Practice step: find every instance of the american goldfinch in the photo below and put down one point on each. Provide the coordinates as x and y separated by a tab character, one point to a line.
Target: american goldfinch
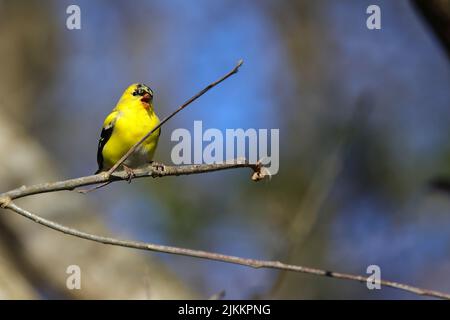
131	119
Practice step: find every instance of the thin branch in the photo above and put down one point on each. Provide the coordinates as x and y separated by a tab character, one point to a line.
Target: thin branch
147	171
254	263
184	105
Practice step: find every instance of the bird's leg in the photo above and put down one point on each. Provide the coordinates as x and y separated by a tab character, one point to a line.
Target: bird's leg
158	166
130	173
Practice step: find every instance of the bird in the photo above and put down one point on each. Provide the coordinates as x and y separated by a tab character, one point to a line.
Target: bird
131	119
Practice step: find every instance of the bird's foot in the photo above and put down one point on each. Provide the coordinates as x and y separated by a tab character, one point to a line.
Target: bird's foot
130	173
158	166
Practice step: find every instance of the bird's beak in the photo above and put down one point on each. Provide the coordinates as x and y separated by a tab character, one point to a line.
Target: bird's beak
146	98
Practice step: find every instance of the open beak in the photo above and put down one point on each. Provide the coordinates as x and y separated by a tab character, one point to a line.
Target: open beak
146	98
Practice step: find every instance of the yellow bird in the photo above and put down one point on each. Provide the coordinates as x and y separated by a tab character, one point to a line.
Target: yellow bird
131	119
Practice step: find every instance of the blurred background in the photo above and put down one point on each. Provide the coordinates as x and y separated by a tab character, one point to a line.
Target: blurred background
364	126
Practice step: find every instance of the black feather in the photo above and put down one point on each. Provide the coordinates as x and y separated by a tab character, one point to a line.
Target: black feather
104	137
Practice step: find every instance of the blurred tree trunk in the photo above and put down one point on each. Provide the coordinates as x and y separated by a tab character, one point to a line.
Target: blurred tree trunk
307	45
437	15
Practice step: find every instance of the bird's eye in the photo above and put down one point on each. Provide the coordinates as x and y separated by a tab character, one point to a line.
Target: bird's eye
141	91
138	92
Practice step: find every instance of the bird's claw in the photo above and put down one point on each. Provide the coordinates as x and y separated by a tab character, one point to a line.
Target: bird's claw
158	166
130	173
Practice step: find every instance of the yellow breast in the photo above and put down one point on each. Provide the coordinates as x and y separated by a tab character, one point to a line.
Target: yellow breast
132	124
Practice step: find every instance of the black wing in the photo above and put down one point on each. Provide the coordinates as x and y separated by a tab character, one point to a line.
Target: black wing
104	137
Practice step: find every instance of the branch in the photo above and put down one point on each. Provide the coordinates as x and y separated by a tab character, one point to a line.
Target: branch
147	171
214	256
184	105
437	15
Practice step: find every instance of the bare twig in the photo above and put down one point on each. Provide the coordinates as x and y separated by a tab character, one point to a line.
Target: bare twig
254	263
218	296
184	105
99	186
147	171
